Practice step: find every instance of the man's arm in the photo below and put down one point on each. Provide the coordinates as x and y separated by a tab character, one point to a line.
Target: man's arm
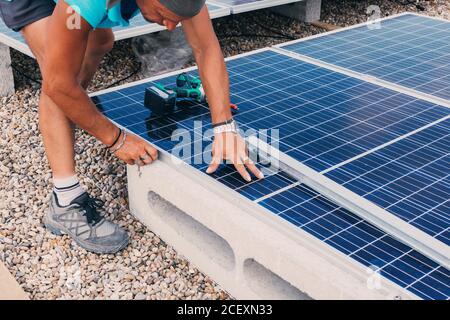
63	60
213	72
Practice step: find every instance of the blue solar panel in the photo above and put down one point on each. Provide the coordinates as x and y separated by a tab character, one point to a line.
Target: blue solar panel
237	2
272	90
409	50
13	39
409	178
212	7
323	117
10	33
138	21
238	6
361	241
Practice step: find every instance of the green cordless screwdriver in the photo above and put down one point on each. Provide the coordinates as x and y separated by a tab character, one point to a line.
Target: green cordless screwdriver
162	99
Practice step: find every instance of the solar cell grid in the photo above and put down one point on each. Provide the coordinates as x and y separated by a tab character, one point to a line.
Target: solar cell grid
361	241
409	178
281	194
319	111
238	6
409	50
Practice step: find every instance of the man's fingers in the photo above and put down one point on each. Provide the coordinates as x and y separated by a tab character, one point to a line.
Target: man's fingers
139	163
152	152
215	163
242	171
146	158
252	167
150	155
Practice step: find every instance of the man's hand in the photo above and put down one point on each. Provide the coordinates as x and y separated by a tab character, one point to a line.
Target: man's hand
213	72
232	147
136	150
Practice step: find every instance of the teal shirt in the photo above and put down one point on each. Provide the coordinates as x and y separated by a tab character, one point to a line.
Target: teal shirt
96	13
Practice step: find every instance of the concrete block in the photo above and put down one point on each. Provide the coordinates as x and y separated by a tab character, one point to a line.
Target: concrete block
6	74
305	11
9	288
246	249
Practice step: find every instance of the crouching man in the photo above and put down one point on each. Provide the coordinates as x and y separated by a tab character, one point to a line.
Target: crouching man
68	58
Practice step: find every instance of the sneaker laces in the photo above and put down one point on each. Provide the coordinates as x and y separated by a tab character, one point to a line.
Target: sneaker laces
89	207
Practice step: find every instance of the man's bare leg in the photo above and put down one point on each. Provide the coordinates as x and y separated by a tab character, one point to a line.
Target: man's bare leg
57	130
72	210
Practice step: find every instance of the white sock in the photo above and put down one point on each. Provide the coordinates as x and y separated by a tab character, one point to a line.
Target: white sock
67	189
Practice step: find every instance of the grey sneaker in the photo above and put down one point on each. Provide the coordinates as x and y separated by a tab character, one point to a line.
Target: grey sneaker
81	221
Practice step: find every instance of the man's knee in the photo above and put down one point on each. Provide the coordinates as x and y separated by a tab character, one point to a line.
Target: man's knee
103	48
35	36
100	42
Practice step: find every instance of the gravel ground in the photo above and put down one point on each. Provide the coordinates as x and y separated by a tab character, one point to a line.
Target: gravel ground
50	267
349	12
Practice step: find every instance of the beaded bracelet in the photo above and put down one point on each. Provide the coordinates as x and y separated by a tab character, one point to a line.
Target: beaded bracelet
117	139
122	142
